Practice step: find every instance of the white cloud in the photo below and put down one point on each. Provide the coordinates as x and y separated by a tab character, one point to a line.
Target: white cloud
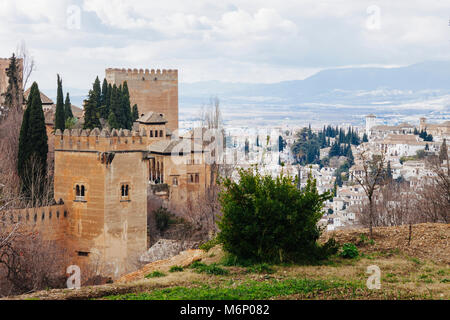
245	40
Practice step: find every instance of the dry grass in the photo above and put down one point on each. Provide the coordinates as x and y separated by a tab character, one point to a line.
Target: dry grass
418	271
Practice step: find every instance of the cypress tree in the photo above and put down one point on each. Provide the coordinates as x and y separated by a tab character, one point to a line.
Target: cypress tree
126	108
13	95
135	113
68	107
365	138
24	150
443	152
114	109
112	121
91	116
60	118
33	147
98	92
108	100
389	171
104	104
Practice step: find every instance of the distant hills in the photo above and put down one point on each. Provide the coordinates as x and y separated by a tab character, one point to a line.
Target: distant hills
344	85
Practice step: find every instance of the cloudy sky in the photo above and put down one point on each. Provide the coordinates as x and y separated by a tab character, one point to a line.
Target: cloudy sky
236	41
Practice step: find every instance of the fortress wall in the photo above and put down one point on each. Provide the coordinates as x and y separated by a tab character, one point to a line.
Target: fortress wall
112	229
50	222
101	141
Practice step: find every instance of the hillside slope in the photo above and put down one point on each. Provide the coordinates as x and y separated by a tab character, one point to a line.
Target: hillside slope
419	270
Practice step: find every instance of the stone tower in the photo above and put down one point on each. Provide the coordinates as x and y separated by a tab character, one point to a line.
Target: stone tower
423	124
102	177
155	90
370	122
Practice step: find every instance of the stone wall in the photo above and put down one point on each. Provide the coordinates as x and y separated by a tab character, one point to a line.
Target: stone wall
50	222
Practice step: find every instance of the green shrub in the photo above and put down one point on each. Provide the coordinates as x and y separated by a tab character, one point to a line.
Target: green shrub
270	220
260	268
209	244
155	274
164	218
349	251
212	269
176	269
230	260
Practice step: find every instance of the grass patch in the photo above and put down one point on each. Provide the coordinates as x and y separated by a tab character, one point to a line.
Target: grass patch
230	260
176	269
250	290
417	261
212	269
349	251
155	274
209	244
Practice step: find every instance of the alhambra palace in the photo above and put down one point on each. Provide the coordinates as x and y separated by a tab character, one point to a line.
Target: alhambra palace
105	179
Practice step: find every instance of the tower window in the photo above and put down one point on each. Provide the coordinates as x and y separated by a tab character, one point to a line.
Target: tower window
80	192
125	192
156	133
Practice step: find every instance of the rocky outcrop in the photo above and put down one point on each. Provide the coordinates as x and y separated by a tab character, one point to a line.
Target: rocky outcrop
165	249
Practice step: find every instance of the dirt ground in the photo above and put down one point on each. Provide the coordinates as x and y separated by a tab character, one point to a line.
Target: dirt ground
416	270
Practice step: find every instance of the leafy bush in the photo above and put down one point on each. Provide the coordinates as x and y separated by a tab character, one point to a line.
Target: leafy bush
164	218
212	269
209	244
349	251
176	269
270	220
155	274
230	260
261	268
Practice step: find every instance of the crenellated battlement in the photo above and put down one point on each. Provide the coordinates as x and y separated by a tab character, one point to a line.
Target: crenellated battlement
51	222
141	74
103	140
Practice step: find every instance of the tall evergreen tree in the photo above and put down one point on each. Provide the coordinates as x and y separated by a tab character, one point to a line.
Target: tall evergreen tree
91	114
68	107
114	118
443	153
365	138
126	107
33	147
104	103
389	171
135	113
98	92
13	95
60	118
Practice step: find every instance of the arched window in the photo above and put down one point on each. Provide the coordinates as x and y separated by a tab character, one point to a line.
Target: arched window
151	133
80	192
125	192
161	133
156	133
